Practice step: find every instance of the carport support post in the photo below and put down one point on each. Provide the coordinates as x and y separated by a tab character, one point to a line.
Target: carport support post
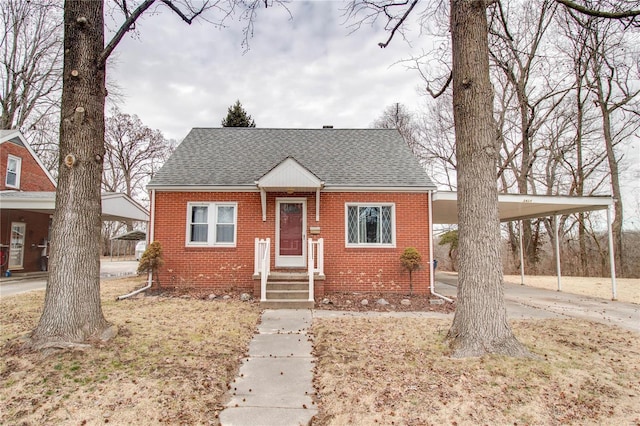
521	255
612	260
555	230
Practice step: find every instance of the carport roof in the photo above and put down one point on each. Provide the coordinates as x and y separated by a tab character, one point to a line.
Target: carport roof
115	206
516	207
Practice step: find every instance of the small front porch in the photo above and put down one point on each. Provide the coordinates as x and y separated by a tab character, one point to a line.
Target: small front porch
288	288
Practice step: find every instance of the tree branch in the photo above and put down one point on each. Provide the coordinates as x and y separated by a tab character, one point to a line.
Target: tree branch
399	24
185	18
131	19
441	91
600	14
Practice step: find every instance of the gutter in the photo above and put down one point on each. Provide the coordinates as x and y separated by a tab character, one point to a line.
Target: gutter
140	290
150	234
432	286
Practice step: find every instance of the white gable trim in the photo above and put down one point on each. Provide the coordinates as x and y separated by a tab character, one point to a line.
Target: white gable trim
7	136
289	176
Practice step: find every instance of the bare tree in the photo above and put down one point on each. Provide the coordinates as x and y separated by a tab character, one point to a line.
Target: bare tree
618	102
133	153
72	311
31	71
480	323
397	116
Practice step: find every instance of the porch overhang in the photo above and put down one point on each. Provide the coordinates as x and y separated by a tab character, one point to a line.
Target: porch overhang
289	176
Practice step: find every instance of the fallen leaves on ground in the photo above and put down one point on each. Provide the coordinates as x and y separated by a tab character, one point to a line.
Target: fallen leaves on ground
386	371
170	362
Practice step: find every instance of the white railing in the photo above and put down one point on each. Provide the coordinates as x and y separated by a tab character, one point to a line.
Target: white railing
315	262
262	264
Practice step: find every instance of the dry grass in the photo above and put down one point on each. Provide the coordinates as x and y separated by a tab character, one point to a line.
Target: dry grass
396	371
170	362
627	289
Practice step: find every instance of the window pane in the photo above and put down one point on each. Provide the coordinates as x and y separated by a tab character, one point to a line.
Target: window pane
224	233
11	178
225	214
352	224
369	225
199	233
386	225
12	172
199	214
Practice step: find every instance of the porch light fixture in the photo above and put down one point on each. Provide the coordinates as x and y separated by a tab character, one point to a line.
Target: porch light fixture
289	191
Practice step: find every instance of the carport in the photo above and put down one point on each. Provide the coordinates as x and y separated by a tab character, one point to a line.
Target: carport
443	210
127	236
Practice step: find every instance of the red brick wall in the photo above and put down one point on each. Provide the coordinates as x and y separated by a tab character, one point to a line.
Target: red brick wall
32	177
346	269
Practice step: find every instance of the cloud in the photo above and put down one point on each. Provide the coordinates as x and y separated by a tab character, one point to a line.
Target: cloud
304	71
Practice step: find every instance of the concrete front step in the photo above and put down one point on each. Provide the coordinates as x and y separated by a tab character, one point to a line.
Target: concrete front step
288	294
287	304
287	285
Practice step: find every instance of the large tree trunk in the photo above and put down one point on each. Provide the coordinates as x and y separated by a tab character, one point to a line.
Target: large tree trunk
480	324
72	309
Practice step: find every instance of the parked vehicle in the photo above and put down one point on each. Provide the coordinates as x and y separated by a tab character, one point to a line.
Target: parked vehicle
140	248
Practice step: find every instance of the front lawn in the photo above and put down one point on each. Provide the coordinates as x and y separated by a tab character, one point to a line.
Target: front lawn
375	371
170	362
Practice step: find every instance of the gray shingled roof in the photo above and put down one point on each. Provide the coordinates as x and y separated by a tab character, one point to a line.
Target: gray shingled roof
234	156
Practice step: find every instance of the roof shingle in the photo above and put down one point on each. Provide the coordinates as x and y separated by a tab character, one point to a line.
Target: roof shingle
238	156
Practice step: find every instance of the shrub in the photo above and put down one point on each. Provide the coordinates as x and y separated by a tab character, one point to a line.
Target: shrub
411	260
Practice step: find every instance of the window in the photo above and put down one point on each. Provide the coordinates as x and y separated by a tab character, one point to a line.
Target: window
211	224
13	171
370	225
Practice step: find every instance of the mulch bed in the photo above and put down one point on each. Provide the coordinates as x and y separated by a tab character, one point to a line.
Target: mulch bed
339	301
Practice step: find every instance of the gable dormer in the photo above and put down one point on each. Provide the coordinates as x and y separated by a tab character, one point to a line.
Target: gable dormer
20	167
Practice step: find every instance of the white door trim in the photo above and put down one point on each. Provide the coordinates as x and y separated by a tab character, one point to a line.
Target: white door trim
291	261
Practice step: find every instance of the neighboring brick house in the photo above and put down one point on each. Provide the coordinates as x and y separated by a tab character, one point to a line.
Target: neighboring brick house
27	204
23	234
348	200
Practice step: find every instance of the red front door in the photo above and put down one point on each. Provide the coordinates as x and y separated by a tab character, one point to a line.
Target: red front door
290	226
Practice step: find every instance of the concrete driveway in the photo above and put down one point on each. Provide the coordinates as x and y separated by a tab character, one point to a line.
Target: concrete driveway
531	302
38	281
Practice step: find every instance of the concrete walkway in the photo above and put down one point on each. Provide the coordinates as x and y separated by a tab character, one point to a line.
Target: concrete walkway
274	385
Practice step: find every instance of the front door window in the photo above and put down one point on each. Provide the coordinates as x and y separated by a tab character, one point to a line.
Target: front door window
16	247
290	233
291	229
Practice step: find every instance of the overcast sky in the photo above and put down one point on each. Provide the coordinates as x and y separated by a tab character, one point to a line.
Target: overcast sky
306	71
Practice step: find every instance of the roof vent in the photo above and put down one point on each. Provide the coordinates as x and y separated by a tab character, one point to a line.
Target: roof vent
327	126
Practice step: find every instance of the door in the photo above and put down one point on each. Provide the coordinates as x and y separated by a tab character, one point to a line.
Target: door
291	222
16	245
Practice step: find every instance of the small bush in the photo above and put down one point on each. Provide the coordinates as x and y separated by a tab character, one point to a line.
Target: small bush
411	260
151	260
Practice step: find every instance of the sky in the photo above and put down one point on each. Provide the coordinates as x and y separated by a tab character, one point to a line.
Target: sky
301	71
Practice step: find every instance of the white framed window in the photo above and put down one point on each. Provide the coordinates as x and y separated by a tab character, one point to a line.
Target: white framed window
13	171
370	225
212	224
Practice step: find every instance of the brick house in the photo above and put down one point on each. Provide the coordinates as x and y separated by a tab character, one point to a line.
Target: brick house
257	209
27	204
23	233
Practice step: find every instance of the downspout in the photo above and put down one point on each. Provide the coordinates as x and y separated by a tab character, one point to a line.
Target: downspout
432	286
150	239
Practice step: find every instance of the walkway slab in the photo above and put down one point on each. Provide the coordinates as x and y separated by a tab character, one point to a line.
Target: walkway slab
275	382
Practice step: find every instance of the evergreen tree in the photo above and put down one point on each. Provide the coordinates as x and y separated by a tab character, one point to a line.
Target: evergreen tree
237	117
